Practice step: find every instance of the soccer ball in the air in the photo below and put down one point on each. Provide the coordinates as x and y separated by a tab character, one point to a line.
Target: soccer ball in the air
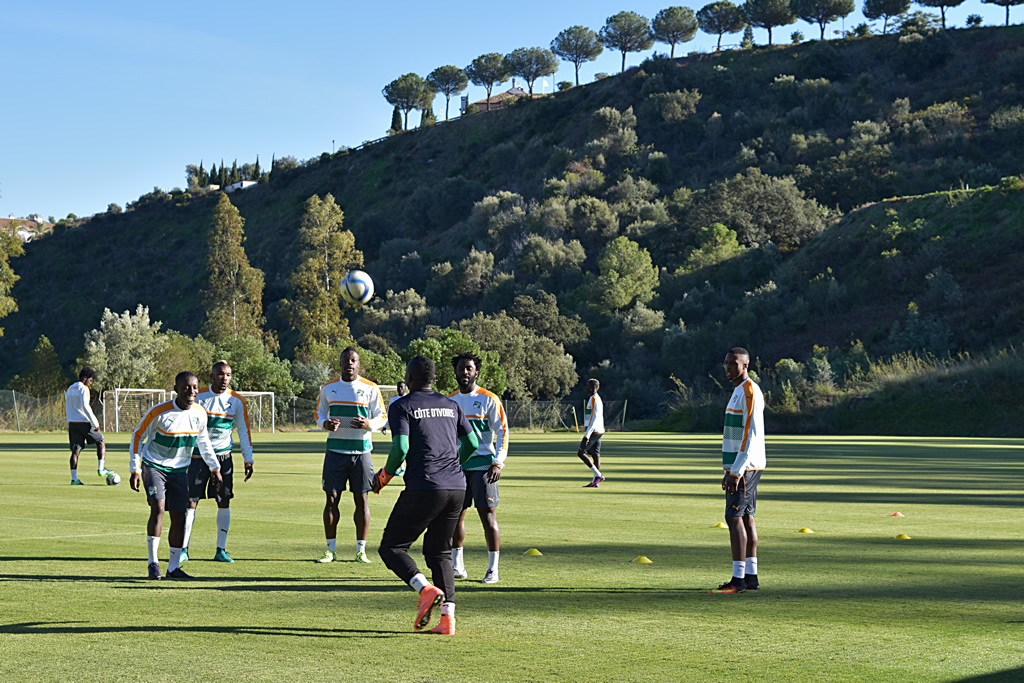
113	479
357	287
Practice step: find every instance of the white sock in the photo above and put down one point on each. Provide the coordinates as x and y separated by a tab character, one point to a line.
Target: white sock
190	518
223	524
492	559
597	472
360	546
418	582
751	566
738	569
448	609
175	560
332	545
74	475
457	559
99	467
154	545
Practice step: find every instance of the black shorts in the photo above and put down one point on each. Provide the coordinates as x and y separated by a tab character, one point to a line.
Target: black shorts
171	487
480	493
200	481
593	446
355	471
744	501
81	433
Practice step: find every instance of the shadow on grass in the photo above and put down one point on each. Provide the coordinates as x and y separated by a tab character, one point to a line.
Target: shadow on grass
1008	675
72	627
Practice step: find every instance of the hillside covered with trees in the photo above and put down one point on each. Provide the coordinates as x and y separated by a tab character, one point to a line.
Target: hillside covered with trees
630	229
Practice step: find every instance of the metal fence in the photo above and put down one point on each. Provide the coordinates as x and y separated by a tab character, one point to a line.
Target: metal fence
560	416
23	413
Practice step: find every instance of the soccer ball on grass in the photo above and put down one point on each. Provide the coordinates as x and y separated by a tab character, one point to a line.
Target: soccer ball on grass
357	287
113	479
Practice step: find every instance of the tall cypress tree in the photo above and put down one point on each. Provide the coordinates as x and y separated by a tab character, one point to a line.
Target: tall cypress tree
256	171
327	253
233	298
214	176
396	120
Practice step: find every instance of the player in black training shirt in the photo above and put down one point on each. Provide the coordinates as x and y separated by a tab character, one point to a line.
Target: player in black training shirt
427	429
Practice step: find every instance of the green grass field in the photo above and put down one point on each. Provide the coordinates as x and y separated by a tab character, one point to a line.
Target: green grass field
849	602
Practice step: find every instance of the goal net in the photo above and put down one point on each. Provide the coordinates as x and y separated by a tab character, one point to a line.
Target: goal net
261	408
123	408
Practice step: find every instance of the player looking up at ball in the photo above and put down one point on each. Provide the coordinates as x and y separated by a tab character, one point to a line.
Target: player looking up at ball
427	430
225	411
743	459
83	427
483	470
351	409
593	418
161	450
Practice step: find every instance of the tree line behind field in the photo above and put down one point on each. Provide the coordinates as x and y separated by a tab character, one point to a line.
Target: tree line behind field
628	229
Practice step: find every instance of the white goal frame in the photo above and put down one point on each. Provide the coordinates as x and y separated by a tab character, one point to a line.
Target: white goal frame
120	398
259	404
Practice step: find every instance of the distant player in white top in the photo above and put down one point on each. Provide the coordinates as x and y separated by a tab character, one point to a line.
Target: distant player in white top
161	451
226	411
350	409
593	419
743	459
400	391
486	415
83	427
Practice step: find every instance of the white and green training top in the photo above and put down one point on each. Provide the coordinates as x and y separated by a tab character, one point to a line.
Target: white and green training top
743	437
345	400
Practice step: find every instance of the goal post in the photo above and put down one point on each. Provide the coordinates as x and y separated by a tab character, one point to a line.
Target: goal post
262	410
125	407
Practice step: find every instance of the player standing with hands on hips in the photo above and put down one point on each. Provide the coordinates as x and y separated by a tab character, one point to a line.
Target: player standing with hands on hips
161	451
427	429
351	409
743	459
593	418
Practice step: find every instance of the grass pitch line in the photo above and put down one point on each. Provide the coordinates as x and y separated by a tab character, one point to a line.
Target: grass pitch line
47	538
63	521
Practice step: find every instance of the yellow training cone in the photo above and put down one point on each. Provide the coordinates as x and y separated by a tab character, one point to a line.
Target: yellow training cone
903	537
721	525
805	530
643	559
533	551
896	514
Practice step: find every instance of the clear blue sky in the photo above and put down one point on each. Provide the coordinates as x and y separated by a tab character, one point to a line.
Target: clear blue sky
105	100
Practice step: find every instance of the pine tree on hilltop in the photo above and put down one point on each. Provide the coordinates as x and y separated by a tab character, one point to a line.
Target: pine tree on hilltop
233	298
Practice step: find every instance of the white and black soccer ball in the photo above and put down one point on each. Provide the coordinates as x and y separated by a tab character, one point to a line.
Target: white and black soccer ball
357	288
113	479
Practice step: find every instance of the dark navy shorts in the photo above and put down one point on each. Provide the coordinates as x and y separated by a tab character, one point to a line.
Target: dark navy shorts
744	501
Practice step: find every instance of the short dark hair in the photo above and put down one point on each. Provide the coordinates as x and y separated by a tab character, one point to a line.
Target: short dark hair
348	349
466	355
597	382
183	375
401	383
220	363
739	351
422	370
86	372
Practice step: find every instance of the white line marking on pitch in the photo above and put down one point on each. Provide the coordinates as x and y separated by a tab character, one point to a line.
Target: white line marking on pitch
63	521
43	538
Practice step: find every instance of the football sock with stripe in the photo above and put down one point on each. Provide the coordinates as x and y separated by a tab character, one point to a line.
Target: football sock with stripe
739	568
332	545
418	582
190	518
360	546
175	560
223	524
457	561
751	568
